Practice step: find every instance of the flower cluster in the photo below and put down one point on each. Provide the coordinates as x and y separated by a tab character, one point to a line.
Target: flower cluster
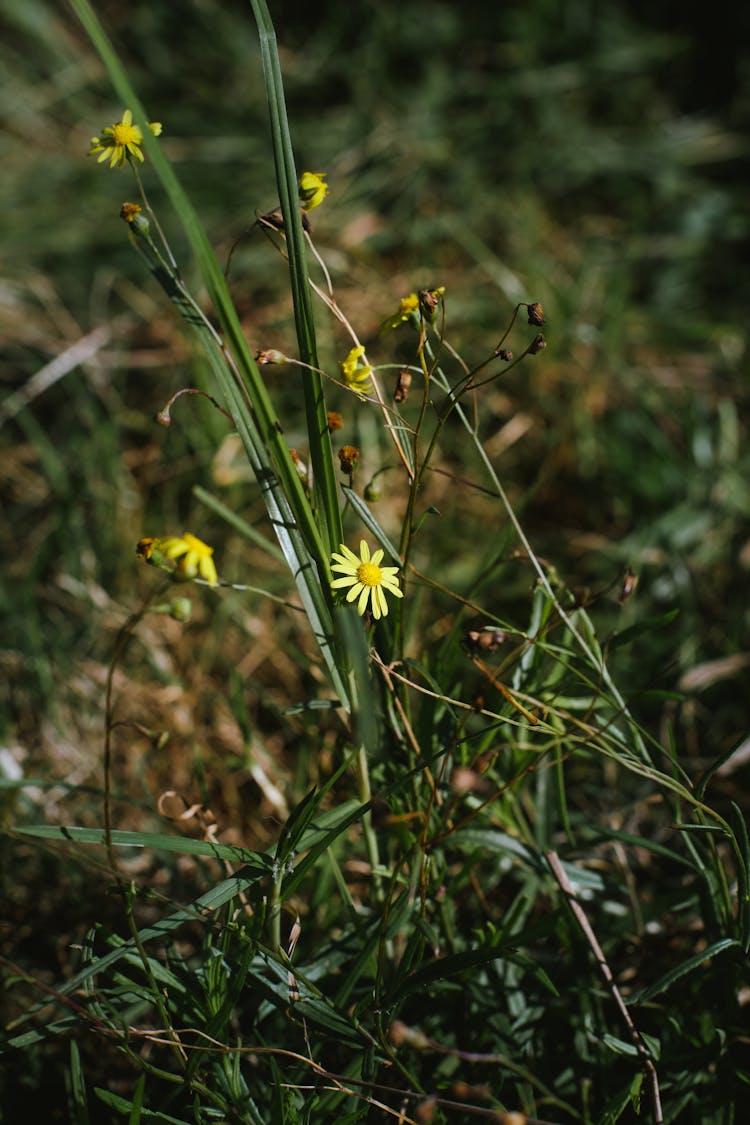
121	141
367	580
192	557
356	375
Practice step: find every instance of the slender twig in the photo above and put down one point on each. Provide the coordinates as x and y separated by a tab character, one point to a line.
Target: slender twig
643	1053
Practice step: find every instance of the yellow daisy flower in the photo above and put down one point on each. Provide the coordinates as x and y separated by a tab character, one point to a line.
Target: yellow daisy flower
312	189
356	376
367	579
121	141
194	556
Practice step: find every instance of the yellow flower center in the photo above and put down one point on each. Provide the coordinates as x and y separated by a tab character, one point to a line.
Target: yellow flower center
369	574
125	135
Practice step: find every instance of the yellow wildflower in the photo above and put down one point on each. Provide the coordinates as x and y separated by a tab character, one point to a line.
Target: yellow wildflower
121	141
312	189
356	376
193	557
367	579
408	310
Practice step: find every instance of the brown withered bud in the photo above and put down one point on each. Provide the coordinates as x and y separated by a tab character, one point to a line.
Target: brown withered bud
335	421
483	640
536	314
348	457
403	383
271	355
400	1033
429	299
629	583
145	547
273	219
538	344
505	354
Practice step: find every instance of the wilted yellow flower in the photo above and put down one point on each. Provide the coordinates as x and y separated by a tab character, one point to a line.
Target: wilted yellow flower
408	306
194	557
369	581
312	189
121	141
356	376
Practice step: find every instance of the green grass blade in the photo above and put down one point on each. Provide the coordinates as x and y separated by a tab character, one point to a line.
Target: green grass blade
286	176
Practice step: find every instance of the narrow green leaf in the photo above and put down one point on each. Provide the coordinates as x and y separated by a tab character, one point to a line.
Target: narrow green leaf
137	1107
77	1091
742	853
321	456
363	510
181	844
123	1106
246	530
682	970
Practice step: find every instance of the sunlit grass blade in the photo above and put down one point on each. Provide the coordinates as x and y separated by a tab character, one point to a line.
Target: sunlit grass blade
286	176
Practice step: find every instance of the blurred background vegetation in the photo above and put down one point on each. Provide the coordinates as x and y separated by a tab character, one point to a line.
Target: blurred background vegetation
591	157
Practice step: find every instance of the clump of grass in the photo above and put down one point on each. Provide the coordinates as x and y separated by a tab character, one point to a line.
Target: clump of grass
484	889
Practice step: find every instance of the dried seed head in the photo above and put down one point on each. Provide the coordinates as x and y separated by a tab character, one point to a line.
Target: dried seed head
484	640
629	583
429	299
403	383
348	458
536	314
538	344
335	421
505	354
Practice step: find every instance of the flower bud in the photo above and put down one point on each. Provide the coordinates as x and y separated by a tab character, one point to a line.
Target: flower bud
180	609
373	491
271	355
